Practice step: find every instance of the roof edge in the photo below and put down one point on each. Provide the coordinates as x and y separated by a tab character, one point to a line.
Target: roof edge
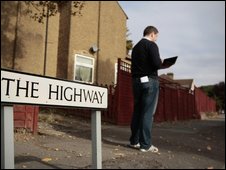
122	10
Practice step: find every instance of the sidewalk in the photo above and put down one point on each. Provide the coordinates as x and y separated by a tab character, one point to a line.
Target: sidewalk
65	143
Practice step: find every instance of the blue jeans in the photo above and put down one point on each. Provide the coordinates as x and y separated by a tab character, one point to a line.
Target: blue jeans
145	103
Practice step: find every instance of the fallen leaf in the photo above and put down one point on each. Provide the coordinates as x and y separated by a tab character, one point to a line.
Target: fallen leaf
120	154
24	166
210	167
79	155
46	159
208	148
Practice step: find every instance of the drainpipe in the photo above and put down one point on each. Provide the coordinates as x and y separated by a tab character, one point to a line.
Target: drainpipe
16	32
98	40
46	41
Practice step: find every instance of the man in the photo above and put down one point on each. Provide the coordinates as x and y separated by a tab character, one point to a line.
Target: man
145	64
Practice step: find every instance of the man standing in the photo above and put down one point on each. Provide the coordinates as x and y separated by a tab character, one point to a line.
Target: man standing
145	64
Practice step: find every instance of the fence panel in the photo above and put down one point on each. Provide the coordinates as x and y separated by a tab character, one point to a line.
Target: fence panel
26	116
160	113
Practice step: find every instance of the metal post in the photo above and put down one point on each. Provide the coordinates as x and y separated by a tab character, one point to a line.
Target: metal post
96	140
7	138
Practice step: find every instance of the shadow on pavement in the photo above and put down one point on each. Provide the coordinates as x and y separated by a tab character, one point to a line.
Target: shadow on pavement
197	137
24	159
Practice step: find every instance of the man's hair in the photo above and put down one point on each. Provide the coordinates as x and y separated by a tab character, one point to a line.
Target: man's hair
149	29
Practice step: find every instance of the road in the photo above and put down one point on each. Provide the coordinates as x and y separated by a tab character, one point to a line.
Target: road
65	143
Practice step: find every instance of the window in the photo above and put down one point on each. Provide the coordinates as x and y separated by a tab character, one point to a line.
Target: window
84	69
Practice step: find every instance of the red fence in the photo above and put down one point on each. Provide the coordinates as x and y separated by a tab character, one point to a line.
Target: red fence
175	101
203	102
26	116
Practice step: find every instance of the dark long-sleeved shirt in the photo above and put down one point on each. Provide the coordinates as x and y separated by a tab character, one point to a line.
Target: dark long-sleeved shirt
145	59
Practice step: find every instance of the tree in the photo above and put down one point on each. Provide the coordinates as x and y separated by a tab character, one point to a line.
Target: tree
217	92
38	10
129	43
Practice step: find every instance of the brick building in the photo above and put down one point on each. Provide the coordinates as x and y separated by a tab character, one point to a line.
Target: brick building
83	47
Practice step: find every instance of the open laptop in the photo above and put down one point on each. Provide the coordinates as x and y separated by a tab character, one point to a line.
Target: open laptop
169	62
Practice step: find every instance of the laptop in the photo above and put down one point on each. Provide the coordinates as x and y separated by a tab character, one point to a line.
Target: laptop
169	61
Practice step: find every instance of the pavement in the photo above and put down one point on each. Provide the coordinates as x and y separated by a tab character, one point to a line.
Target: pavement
65	143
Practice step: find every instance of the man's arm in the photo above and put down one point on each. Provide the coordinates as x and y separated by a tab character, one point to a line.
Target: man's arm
154	52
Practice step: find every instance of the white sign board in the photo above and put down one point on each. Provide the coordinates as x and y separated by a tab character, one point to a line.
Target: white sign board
23	88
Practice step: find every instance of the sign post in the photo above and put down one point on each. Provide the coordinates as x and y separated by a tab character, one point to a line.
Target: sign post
96	140
24	88
7	138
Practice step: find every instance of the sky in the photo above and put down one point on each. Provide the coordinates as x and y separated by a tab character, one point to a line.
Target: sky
192	30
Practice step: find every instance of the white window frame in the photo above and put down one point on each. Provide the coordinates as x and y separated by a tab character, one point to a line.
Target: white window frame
92	66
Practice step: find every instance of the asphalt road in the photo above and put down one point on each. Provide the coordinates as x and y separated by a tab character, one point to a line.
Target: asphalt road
65	143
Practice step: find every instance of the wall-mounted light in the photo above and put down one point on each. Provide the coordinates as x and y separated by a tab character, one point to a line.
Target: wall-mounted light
94	49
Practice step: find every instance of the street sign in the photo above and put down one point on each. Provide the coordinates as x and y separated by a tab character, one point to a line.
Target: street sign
24	88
